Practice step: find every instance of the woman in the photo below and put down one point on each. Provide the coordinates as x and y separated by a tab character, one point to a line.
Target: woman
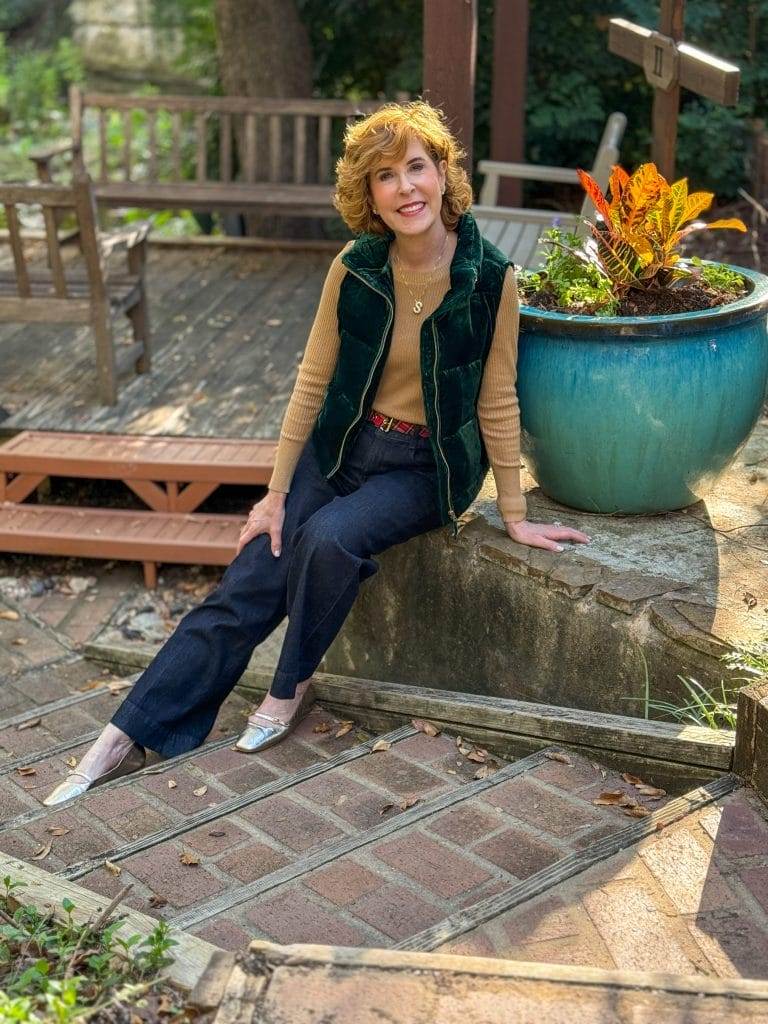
405	394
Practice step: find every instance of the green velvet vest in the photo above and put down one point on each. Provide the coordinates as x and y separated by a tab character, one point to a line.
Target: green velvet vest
454	346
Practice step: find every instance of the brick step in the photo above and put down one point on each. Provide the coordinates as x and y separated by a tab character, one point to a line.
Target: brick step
149	537
354	845
325	839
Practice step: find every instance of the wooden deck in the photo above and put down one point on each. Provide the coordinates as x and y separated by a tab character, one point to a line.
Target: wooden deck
229	328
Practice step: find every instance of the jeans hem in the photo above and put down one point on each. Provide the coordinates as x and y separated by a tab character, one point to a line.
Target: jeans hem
132	720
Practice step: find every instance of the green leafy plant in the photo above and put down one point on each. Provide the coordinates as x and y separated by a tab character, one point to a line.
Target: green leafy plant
56	969
636	242
633	245
572	281
714	710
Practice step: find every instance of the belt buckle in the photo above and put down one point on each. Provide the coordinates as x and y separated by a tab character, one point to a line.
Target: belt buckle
388	423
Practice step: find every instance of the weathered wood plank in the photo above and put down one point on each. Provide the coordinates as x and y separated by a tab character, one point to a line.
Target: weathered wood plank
17	246
524	726
229	104
225	147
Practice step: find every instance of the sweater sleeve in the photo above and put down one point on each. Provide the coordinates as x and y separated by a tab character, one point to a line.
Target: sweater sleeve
314	375
498	409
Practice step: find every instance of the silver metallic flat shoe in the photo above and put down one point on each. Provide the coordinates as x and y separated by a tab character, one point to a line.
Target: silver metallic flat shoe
260	736
132	761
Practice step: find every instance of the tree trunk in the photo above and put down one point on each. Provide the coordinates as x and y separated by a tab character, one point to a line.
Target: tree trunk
264	50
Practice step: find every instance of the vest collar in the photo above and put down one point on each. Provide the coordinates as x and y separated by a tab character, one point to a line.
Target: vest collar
369	259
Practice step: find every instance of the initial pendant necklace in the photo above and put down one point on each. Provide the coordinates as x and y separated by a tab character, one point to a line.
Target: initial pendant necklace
418	304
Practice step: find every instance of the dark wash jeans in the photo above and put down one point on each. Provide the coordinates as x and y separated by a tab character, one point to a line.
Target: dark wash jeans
384	494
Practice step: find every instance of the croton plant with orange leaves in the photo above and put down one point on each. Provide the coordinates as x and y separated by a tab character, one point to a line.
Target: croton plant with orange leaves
643	223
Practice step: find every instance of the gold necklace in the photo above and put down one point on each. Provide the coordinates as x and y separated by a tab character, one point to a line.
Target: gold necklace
418	304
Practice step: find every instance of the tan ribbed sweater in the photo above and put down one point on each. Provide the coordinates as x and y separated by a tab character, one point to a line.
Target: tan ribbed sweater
399	393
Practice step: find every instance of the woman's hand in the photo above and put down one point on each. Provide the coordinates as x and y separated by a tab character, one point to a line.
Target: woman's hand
266	516
541	535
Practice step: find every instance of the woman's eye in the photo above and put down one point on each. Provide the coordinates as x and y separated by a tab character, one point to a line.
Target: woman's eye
417	166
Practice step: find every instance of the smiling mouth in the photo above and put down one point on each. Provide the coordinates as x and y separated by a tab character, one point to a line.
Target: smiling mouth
411	208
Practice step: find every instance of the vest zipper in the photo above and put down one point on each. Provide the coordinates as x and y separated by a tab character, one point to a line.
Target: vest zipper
451	512
373	368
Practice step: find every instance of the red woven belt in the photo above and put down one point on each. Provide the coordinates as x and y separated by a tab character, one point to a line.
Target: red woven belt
383	422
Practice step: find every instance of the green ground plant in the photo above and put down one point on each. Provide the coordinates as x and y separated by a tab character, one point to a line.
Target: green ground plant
55	969
713	709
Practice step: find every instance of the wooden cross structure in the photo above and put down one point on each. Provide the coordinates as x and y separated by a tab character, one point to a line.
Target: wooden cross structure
670	63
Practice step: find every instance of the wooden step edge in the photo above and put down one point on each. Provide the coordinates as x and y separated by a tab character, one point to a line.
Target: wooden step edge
337	958
44	890
86	512
691	754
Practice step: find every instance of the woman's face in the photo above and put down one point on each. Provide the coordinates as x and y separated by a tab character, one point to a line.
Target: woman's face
408	194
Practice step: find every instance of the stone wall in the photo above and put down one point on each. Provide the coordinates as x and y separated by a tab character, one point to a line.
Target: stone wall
121	40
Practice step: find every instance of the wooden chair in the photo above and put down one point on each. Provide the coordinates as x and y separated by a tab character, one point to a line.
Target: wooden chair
516	231
89	296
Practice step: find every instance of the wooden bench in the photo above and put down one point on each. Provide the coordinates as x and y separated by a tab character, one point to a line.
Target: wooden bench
182	151
173	475
88	295
516	231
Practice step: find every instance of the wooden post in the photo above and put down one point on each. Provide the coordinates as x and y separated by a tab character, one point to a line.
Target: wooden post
510	57
666	102
450	51
670	63
751	750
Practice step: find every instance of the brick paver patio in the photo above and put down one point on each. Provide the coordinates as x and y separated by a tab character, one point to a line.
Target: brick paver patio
413	846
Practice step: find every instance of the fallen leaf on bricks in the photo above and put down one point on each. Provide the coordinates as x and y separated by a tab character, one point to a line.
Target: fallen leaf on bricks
322	727
118	685
633	780
385	808
27	770
344	729
407	802
485	771
157	901
72	762
172	784
465	750
478	754
652	792
609	797
556	755
380	745
9	616
113	869
627	801
92	684
28	725
189	858
217	833
42	851
20	641
428	728
638	811
57	830
201	791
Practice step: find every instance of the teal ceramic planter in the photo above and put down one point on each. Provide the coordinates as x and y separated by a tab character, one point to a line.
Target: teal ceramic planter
634	415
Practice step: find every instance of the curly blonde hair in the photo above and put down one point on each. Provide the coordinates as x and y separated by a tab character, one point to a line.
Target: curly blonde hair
385	134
